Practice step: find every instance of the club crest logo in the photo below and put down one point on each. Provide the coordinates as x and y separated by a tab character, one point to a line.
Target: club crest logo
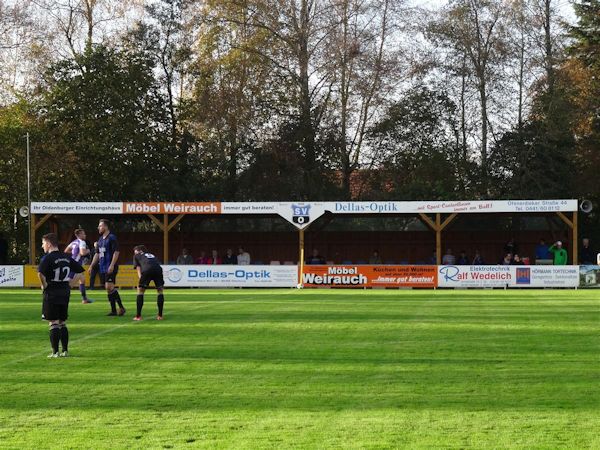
175	275
523	275
300	214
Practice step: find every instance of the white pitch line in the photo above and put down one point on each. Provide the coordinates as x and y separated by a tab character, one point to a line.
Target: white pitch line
99	333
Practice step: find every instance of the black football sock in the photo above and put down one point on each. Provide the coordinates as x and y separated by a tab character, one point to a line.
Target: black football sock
113	303
160	302
82	290
118	298
140	304
64	337
54	337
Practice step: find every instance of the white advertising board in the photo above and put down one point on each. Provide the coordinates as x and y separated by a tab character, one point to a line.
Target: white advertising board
474	276
301	214
545	276
11	276
230	276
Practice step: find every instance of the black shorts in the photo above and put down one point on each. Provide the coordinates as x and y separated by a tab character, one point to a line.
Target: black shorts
109	277
52	310
155	275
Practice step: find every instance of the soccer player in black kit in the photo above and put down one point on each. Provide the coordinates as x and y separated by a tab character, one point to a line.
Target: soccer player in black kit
148	269
53	272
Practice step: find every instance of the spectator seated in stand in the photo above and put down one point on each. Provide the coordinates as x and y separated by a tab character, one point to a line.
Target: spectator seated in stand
243	258
478	260
185	257
375	258
559	253
315	258
215	258
230	258
541	251
517	261
462	259
507	260
449	258
202	259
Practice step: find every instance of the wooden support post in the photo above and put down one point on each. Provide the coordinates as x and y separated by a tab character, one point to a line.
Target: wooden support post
35	225
176	221
301	256
32	229
425	218
575	239
157	222
565	219
572	224
449	219
438	239
165	239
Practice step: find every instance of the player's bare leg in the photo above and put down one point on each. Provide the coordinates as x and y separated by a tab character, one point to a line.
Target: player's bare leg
80	279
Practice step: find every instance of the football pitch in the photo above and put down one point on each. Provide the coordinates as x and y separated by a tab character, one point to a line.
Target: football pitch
307	369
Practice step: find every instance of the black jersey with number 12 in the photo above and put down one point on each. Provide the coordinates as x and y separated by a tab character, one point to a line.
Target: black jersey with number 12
56	267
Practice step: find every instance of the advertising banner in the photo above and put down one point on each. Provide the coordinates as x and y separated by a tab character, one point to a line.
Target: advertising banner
544	276
77	208
171	208
589	276
11	276
230	276
474	276
370	276
301	214
126	278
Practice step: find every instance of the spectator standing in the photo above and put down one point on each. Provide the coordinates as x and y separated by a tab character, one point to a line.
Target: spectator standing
586	254
511	247
230	258
315	258
203	259
541	251
375	258
462	259
185	258
215	258
559	253
478	260
243	258
449	258
3	249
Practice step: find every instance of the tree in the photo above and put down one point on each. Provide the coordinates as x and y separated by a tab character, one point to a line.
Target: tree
583	67
418	138
475	29
108	124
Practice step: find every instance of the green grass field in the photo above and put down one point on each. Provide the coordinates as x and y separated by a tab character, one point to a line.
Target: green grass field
307	369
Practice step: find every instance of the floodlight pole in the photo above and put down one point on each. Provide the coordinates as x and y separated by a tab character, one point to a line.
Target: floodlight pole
31	243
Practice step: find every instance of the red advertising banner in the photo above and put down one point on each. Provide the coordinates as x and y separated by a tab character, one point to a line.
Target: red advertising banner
171	208
370	276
